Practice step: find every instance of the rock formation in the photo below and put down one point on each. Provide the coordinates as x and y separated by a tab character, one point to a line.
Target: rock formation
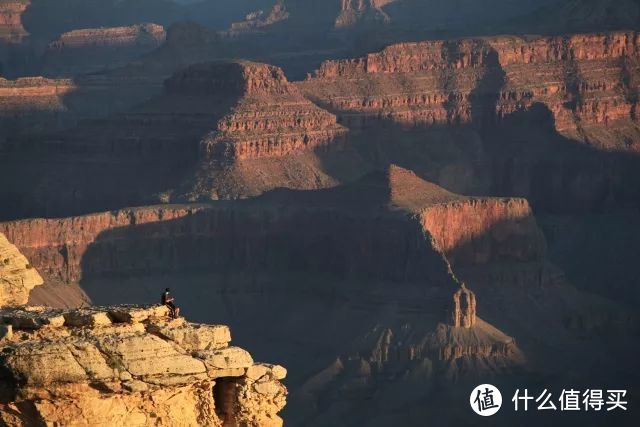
130	365
394	210
258	19
253	128
464	308
17	276
354	11
11	28
580	78
85	50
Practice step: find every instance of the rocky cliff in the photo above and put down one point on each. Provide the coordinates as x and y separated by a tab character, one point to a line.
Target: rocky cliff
585	80
130	365
342	232
17	276
516	113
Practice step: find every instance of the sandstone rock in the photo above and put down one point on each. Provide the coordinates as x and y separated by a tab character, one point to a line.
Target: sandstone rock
138	314
278	372
254	403
226	358
86	318
17	275
32	317
225	373
256	371
259	370
192	337
119	374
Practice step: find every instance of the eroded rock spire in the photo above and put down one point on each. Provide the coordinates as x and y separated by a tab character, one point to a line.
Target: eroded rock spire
463	314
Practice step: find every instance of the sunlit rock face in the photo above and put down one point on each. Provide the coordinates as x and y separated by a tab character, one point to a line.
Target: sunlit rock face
17	276
130	365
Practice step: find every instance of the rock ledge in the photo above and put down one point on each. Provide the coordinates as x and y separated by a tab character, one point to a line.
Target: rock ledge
129	365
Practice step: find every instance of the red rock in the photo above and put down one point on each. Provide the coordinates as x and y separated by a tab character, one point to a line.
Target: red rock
580	78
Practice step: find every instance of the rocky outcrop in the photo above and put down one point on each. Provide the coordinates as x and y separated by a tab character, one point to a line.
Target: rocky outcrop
17	276
464	308
11	28
130	365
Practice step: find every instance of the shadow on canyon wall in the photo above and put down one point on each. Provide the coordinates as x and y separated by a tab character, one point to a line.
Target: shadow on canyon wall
304	284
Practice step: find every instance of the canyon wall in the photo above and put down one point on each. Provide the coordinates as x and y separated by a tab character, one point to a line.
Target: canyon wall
401	230
130	365
485	230
253	239
550	119
584	80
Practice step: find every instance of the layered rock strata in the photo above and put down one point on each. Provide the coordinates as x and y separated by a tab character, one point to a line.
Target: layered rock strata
585	80
342	231
17	276
254	128
91	49
130	365
141	34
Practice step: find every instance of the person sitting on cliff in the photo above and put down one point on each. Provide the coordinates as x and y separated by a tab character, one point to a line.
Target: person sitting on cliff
167	299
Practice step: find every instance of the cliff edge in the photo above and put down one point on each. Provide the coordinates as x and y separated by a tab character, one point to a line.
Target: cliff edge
129	365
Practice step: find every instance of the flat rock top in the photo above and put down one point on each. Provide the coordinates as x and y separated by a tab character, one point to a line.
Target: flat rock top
45	347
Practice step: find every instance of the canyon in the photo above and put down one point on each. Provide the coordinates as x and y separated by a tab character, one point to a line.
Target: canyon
385	255
384	196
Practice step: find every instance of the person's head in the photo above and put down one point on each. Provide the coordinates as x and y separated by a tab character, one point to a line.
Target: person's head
167	290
